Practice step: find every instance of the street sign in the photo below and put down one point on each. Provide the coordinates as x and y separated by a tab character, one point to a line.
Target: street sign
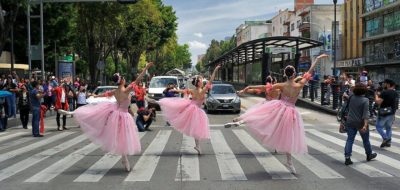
36	53
278	50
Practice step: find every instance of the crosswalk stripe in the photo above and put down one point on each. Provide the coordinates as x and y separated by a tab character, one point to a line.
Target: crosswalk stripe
13	135
382	158
228	164
101	167
317	167
17	142
188	164
33	146
147	163
272	165
3	133
32	160
359	166
57	168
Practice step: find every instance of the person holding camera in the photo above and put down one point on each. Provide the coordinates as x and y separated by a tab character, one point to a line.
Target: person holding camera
144	118
36	95
388	102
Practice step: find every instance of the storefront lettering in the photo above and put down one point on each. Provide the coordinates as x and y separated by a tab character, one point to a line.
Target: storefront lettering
351	63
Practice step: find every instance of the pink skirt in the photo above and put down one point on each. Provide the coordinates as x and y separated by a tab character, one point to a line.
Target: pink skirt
186	117
278	125
110	127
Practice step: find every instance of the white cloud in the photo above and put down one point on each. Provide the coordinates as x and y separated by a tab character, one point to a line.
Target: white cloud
198	34
197	45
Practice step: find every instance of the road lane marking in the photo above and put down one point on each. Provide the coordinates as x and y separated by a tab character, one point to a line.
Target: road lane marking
272	165
338	156
188	164
42	142
148	161
228	164
358	149
13	135
101	167
57	168
32	160
17	142
317	167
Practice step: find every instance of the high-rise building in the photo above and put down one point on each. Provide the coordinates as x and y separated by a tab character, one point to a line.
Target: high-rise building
352	33
381	39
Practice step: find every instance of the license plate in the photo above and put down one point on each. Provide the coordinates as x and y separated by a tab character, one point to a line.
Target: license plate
225	106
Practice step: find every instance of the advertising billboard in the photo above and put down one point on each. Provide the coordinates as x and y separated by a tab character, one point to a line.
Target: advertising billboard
65	69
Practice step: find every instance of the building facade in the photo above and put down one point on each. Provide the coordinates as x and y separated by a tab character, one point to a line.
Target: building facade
352	34
252	30
381	39
317	23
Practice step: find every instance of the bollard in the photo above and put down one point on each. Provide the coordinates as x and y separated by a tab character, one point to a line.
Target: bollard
312	88
335	94
324	89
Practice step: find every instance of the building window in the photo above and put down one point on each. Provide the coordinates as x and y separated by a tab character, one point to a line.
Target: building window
280	20
391	22
298	24
374	26
292	27
273	29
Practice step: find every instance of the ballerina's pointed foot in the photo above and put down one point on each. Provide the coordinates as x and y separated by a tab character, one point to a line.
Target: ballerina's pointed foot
198	150
291	168
63	112
126	165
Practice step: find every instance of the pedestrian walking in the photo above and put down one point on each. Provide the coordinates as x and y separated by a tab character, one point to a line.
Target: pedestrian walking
357	120
61	93
388	104
186	115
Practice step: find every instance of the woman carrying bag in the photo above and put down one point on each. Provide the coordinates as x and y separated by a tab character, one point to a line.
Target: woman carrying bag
357	120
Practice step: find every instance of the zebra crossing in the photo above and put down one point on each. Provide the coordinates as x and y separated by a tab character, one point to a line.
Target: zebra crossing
66	149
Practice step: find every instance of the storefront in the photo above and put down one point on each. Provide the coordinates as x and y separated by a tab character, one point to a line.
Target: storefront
350	66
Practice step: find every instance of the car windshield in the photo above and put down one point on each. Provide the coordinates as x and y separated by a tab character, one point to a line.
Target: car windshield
222	90
162	82
102	90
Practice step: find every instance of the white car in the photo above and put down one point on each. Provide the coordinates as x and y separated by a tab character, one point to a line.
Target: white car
158	85
101	90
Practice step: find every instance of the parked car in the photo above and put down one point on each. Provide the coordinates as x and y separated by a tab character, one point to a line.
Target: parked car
103	89
222	97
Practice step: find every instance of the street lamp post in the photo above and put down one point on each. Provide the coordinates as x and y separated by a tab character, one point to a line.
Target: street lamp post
334	38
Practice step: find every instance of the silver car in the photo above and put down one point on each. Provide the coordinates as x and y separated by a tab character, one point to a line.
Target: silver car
222	97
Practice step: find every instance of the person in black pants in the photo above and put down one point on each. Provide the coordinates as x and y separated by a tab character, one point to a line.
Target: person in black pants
24	103
144	118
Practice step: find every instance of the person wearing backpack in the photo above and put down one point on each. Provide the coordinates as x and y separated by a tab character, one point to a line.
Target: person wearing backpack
357	120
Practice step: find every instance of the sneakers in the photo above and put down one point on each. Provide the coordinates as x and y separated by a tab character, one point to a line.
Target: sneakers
233	124
371	156
291	168
348	162
386	143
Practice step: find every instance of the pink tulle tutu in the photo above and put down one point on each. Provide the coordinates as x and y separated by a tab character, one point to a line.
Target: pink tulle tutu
186	116
277	124
110	126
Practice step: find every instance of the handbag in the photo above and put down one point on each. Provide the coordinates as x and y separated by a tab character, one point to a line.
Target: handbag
385	111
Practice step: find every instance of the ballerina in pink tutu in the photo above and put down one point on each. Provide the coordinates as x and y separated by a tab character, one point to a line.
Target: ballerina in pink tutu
258	89
277	123
109	124
186	115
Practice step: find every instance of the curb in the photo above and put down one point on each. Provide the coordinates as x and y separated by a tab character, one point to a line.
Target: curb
326	109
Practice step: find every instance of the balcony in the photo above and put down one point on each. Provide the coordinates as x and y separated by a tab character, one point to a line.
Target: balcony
304	27
286	22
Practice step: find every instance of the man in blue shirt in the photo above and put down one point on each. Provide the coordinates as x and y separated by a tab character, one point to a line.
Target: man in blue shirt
36	96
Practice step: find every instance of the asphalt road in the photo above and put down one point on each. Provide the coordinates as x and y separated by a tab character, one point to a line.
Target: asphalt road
232	159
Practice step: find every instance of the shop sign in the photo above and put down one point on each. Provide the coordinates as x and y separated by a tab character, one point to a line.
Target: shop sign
278	50
350	63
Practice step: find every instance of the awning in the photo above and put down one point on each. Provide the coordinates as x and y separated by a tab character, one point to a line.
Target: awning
16	66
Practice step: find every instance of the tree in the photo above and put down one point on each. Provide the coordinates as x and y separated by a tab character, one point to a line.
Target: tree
8	17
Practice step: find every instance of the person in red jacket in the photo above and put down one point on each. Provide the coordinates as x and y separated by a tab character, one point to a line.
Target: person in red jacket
140	93
61	103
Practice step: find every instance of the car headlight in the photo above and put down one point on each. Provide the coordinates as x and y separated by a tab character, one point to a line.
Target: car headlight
151	95
236	100
212	100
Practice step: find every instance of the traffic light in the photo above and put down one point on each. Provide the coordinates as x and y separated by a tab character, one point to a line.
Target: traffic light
127	1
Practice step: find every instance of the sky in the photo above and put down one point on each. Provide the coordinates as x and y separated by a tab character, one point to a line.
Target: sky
200	21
